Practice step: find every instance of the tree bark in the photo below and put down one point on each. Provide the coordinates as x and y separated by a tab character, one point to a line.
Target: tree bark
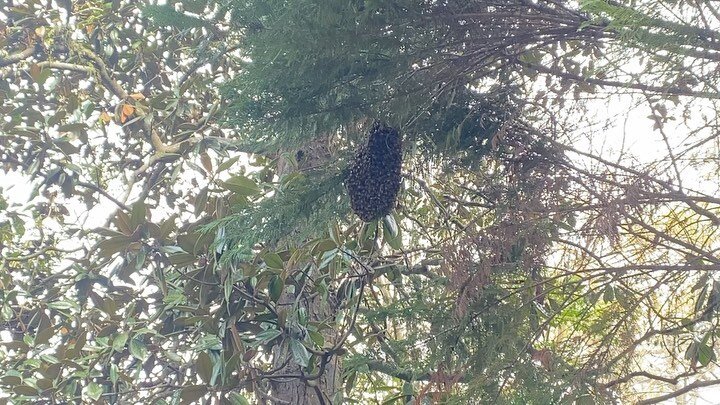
323	385
305	388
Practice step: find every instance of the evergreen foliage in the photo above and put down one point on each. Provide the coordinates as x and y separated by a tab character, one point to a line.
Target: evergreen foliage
393	62
174	226
298	209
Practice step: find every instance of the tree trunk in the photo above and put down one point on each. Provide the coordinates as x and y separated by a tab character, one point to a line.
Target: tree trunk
322	386
309	390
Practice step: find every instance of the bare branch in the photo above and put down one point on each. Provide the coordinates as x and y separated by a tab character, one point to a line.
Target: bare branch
64	66
105	194
17	57
677	393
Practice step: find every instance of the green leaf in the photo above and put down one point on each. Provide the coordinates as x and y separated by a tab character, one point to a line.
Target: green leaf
407	388
52	371
77	126
119	342
391	232
167	227
171	249
323	246
192	394
137	216
273	260
350	382
138	349
268	335
40	75
122	221
208	342
6	312
237	399
18	225
44	335
181	259
228	285
227	164
204	367
299	352
64	305
691	351
609	294
241	185
49	359
109	247
25	390
113	373
585	400
328	257
201	201
336	234
44	383
705	354
166	15
275	287
94	391
11	380
317	338
391	225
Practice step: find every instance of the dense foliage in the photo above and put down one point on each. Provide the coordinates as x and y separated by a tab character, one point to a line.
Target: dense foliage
175	225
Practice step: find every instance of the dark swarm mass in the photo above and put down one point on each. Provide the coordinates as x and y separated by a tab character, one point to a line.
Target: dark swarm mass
373	180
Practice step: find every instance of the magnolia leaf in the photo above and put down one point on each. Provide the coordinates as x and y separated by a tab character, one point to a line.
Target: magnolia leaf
114	373
241	185
138	349
44	335
391	232
94	391
192	393
119	342
204	367
299	352
206	162
237	399
705	354
317	338
273	260
275	287
268	335
227	164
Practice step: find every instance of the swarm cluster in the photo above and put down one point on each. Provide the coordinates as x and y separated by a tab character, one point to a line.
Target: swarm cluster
373	180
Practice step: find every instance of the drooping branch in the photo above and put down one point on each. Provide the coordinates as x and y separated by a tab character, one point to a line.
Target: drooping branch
385	368
676	91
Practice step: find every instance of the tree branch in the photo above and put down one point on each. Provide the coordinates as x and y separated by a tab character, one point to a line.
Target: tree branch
104	193
626	378
677	393
111	84
64	66
382	367
38	254
17	57
622	85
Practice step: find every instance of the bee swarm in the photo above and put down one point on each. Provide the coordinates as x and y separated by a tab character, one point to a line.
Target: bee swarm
374	178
